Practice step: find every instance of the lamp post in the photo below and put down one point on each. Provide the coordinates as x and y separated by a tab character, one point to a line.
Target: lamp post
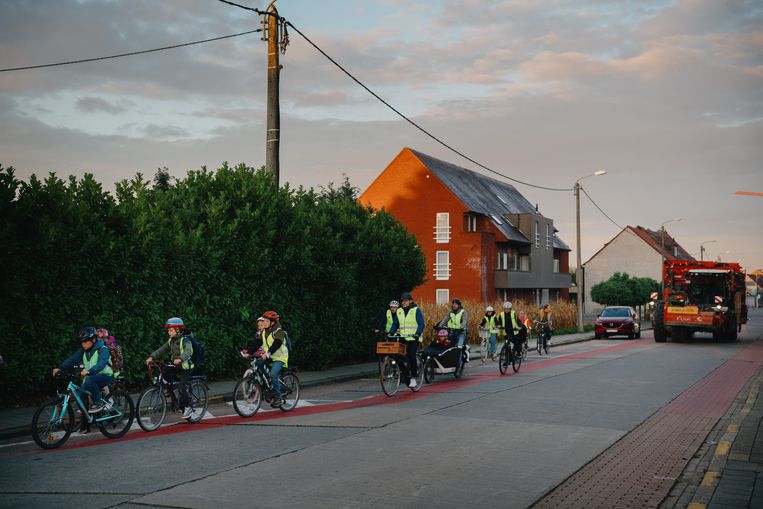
702	249
662	231
579	271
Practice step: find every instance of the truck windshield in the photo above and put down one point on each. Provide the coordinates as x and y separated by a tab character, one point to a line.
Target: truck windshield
704	287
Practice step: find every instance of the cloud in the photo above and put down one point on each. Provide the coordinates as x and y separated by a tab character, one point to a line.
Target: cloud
96	104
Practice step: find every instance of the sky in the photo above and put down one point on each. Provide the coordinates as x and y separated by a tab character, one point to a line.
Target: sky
666	96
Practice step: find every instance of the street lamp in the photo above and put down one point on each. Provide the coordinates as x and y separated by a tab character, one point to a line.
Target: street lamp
579	271
662	229
702	249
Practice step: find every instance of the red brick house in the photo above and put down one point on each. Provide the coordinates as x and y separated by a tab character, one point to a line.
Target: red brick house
482	239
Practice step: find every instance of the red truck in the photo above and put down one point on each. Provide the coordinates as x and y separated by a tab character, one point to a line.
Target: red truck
700	297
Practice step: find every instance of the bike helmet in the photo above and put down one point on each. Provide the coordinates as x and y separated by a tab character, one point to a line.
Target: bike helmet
87	333
259	319
406	296
102	333
456	301
175	322
394	303
507	305
271	315
489	309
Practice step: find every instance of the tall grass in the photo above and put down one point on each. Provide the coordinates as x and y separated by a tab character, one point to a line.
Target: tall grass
565	314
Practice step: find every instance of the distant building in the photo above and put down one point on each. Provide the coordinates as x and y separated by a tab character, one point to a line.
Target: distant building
482	239
637	251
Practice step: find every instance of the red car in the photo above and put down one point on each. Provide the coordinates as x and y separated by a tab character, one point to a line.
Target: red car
618	321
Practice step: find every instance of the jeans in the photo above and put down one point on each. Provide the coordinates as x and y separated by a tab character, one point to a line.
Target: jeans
175	373
275	374
411	347
92	385
493	338
458	336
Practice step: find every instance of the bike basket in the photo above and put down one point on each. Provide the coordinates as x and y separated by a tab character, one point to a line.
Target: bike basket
390	348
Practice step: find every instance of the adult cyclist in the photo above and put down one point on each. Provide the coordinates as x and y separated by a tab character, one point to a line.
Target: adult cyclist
410	323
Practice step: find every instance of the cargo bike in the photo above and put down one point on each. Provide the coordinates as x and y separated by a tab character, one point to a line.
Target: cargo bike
393	364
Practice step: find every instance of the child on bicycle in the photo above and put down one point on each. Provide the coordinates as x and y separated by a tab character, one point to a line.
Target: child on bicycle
96	371
490	324
272	339
181	349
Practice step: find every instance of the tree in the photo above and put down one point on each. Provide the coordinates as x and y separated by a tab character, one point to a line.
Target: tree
622	290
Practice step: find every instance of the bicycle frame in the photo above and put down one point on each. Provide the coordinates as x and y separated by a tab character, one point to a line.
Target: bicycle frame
71	391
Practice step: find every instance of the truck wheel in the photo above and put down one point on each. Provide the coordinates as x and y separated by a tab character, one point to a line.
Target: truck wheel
731	332
658	322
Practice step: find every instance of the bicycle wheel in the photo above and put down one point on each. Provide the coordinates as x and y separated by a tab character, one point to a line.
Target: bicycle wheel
483	349
503	359
390	376
51	425
546	340
199	403
516	360
152	407
123	411
539	344
524	351
420	376
290	390
247	397
429	370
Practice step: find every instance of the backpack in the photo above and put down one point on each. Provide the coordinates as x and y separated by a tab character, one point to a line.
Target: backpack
285	338
116	359
197	358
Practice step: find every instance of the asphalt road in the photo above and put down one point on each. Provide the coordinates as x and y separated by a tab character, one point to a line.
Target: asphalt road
484	441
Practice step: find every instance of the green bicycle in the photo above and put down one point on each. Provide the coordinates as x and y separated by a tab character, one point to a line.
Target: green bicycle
55	420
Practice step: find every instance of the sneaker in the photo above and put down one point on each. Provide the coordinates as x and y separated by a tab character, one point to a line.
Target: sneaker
188	412
84	431
277	402
96	408
412	383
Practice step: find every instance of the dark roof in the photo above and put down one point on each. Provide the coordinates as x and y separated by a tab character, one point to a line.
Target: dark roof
559	244
654	239
484	195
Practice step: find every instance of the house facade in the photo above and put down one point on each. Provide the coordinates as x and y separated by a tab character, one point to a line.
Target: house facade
637	251
482	239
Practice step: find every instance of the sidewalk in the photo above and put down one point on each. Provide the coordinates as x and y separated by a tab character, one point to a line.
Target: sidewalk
15	422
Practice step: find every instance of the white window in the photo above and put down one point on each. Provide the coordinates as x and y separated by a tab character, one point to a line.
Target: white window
442	228
524	263
548	236
442	296
537	234
556	265
470	222
442	266
503	260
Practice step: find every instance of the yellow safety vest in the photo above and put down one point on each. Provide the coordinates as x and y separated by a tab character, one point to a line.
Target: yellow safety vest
490	324
514	321
282	354
408	324
454	322
89	363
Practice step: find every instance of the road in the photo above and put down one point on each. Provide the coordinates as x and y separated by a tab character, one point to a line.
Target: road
484	441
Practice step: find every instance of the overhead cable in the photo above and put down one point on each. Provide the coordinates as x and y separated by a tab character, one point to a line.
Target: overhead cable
129	54
600	210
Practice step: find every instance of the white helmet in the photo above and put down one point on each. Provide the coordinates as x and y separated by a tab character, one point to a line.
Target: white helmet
394	303
507	305
489	309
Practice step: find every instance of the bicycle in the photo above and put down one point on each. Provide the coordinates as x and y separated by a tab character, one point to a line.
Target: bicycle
544	336
55	420
484	344
393	364
153	401
257	385
511	354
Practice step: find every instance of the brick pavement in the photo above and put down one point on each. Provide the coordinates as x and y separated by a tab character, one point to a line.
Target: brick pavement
640	469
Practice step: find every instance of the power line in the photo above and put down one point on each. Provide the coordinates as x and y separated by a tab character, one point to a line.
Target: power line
129	54
253	9
600	210
414	124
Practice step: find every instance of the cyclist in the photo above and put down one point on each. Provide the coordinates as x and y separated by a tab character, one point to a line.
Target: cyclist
510	324
411	326
391	317
526	327
115	351
489	323
273	342
97	372
456	321
546	319
181	349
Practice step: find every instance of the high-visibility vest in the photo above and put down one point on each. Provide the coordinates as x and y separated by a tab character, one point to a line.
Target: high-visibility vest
389	319
282	354
409	324
490	324
186	364
514	321
89	363
454	322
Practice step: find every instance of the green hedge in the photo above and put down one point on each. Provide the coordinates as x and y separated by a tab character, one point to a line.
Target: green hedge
216	248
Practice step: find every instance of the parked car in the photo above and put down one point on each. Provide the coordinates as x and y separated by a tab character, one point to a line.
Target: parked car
618	321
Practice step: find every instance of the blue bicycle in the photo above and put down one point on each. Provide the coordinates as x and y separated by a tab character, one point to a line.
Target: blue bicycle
56	419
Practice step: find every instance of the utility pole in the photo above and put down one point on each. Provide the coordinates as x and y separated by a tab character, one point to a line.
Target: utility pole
579	271
270	31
